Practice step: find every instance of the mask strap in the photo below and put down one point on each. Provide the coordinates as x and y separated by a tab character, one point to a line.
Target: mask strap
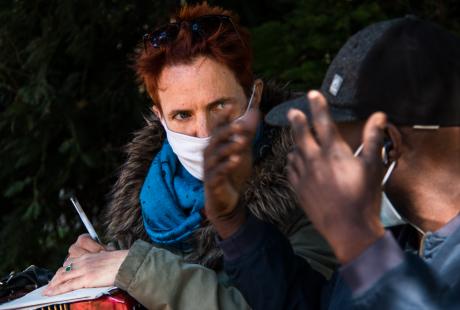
358	150
385	180
389	172
252	97
249	104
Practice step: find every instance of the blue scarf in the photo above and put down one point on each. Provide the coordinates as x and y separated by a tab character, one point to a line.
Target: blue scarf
171	200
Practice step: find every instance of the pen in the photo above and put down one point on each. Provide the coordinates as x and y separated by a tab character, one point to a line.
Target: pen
85	219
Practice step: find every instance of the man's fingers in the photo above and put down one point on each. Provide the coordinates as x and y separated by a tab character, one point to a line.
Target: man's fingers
221	121
250	121
325	128
373	135
294	166
224	133
231	133
215	177
303	137
246	126
219	153
293	177
296	162
231	140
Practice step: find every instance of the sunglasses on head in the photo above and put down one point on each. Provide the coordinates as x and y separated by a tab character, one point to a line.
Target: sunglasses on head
202	27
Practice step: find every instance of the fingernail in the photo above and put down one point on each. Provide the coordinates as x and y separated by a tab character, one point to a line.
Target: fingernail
234	158
313	94
292	114
237	138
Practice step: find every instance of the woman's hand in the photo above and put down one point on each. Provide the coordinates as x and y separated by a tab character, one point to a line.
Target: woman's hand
227	166
88	270
84	245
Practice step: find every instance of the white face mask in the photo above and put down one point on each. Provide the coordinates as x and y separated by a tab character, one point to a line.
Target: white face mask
189	149
388	214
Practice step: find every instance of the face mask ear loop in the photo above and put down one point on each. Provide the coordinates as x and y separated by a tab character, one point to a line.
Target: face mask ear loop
165	126
249	104
251	98
359	150
389	172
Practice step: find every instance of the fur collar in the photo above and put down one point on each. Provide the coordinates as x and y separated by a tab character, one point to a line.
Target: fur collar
268	195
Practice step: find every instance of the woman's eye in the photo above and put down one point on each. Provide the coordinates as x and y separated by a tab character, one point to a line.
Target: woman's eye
221	105
181	116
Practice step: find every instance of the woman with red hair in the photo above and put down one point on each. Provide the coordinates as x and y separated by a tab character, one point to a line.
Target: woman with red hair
197	70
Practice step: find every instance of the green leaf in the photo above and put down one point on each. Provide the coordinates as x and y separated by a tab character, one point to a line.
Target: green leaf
16	187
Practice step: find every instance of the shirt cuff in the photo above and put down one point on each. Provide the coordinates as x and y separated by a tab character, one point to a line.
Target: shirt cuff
128	269
364	271
246	239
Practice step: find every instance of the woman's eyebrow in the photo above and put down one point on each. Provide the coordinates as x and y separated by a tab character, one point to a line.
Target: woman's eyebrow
221	100
210	104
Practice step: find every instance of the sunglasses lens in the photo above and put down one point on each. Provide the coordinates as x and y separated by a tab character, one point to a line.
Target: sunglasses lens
207	25
164	35
202	27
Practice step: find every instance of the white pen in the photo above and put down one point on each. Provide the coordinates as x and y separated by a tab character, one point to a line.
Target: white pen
85	219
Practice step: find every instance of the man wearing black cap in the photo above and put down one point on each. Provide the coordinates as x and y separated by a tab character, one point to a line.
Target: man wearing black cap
370	171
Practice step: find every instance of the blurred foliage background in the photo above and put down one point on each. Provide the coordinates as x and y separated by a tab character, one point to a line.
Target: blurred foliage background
69	100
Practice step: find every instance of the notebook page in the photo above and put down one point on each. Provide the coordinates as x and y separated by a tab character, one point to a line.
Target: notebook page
36	299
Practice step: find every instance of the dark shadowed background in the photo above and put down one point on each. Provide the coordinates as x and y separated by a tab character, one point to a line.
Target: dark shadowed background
69	100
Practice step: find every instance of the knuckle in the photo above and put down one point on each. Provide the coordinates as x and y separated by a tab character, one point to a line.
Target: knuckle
86	279
82	239
73	249
58	273
83	269
84	258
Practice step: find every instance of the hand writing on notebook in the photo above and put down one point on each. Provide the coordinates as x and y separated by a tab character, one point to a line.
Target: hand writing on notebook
92	265
84	245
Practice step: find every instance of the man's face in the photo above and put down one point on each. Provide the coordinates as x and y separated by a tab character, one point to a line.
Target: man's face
194	96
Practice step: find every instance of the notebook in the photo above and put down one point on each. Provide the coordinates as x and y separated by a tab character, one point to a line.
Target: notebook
35	299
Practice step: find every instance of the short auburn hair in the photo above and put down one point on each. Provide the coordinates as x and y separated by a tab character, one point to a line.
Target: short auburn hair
230	46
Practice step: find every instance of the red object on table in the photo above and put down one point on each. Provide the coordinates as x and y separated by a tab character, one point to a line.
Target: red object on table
116	301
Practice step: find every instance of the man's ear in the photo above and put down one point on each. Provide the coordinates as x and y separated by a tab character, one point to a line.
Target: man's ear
258	90
395	136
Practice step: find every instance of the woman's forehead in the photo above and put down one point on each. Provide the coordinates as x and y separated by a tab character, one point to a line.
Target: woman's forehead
200	82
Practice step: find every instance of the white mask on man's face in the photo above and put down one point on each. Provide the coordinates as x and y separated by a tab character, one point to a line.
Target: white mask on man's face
389	216
189	149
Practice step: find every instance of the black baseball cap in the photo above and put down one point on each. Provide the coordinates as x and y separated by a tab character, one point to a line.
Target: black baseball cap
405	67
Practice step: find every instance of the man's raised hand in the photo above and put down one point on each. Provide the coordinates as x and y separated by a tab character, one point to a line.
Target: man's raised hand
227	166
340	193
